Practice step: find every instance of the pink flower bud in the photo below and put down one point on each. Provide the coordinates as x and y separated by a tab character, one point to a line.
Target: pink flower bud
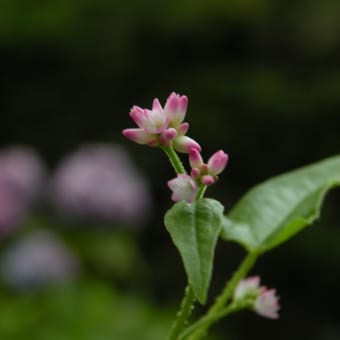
175	108
184	144
217	162
267	305
195	173
195	158
183	188
167	136
207	180
170	134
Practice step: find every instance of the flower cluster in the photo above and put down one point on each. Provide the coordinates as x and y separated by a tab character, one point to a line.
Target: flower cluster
185	187
162	126
263	300
165	127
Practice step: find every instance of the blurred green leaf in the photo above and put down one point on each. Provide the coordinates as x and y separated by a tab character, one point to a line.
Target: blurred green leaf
277	209
87	310
110	252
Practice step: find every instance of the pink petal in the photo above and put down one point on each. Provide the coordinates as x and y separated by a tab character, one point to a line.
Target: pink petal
183	129
154	121
140	136
267	304
156	105
183	104
138	115
175	108
172	103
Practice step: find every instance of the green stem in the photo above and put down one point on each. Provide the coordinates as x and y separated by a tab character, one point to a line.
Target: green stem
226	294
201	192
207	320
183	313
189	298
240	273
174	159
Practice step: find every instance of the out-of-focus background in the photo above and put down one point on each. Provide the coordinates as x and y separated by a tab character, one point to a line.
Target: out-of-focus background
84	253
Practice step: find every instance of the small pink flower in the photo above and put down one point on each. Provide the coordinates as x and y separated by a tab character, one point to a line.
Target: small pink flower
183	188
217	162
162	126
266	304
248	286
152	121
263	300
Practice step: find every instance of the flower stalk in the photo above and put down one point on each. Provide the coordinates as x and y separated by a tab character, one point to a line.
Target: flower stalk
164	127
226	294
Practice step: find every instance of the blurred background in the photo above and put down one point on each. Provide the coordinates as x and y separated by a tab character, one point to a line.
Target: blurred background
84	253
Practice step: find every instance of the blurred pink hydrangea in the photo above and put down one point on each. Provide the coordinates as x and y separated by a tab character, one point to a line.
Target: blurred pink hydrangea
36	260
22	175
99	181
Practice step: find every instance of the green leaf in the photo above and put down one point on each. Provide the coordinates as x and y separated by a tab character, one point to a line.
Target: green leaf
277	209
194	228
